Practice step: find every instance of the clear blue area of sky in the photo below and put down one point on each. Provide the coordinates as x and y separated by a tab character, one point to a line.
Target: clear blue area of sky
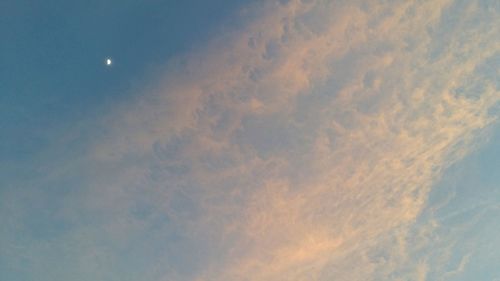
52	57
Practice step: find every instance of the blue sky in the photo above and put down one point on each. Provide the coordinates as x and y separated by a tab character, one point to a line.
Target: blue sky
249	140
53	53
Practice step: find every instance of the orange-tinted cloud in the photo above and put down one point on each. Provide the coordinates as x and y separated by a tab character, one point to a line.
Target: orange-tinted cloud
302	146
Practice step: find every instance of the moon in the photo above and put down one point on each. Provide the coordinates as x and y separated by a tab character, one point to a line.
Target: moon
109	62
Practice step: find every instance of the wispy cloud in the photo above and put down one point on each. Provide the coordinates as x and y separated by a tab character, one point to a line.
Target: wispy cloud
302	146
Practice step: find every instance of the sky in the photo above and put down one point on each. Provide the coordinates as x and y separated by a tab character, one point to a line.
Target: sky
253	140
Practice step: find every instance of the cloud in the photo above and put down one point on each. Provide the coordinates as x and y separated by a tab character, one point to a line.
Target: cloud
301	146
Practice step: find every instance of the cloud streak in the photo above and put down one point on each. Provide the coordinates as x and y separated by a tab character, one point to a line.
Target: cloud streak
300	146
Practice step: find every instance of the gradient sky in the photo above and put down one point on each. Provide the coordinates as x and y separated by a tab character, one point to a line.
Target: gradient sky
249	140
